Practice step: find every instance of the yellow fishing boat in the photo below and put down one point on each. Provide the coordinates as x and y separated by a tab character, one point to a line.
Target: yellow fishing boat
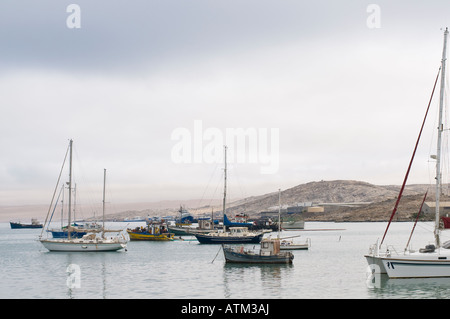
155	231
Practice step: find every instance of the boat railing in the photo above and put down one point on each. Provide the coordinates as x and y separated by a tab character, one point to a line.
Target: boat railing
390	249
376	250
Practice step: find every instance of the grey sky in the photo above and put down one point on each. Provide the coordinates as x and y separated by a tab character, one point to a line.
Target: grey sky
348	100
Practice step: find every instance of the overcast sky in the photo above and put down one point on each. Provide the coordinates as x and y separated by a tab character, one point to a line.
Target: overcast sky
333	89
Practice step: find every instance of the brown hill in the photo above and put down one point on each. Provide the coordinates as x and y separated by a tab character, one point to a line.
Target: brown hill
334	196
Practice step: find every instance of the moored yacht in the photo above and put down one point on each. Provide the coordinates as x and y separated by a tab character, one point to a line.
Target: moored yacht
432	260
95	240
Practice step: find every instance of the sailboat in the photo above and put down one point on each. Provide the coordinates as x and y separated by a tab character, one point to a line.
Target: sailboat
432	260
90	241
236	235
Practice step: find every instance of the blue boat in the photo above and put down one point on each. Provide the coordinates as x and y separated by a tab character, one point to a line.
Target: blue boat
63	233
76	231
243	223
19	225
186	218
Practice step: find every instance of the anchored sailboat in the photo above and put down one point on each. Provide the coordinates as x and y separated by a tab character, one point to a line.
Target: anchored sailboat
90	241
236	235
432	260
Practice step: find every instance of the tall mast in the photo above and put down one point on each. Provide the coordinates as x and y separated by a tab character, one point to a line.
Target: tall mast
225	186
440	129
104	184
74	202
279	212
70	188
62	205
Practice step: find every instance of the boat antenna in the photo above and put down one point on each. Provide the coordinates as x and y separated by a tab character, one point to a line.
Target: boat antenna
225	186
279	212
70	190
104	183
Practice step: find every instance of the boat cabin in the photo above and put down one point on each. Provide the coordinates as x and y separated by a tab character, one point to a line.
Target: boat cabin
270	247
152	228
205	223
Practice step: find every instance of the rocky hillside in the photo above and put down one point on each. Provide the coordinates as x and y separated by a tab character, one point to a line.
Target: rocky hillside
375	202
331	192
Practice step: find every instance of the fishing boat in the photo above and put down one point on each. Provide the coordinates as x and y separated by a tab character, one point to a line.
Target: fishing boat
265	223
433	260
184	227
18	225
293	224
154	231
95	240
293	218
269	253
204	226
185	219
235	235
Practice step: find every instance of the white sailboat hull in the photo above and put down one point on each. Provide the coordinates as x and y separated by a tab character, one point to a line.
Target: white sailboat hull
375	264
78	245
418	265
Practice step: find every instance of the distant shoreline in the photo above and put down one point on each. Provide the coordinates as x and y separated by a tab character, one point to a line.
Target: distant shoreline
371	203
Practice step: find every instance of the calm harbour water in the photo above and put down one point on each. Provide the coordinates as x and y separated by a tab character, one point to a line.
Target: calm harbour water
333	267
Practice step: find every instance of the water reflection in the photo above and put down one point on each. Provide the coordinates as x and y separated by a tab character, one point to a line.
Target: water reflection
82	278
383	287
239	279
